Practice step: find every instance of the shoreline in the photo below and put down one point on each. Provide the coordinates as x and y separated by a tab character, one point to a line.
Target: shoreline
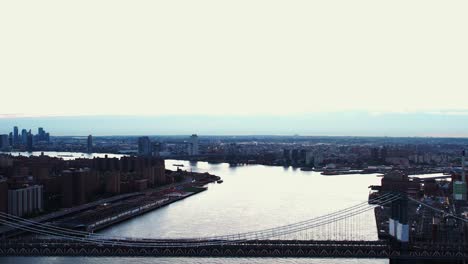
105	216
113	210
141	212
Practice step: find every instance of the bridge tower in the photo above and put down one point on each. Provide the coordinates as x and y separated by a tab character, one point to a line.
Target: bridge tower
402	234
398	227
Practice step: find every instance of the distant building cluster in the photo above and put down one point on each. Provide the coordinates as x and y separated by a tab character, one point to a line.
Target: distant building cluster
321	155
146	147
141	146
25	140
29	185
297	151
446	193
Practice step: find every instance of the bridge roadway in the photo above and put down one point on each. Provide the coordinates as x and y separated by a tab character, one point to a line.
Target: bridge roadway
253	248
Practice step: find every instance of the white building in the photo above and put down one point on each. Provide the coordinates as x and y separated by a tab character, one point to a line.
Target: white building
193	145
25	201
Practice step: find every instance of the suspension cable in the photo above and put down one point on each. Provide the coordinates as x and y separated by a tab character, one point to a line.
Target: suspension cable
262	234
246	234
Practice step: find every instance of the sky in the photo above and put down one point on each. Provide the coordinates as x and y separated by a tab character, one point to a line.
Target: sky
234	59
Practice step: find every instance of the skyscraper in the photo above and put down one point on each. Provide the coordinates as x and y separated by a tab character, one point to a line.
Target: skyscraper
29	142
144	146
24	136
10	138
40	134
3	195
4	144
15	136
193	145
89	148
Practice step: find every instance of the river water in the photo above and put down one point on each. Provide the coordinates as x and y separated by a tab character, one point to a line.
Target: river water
251	197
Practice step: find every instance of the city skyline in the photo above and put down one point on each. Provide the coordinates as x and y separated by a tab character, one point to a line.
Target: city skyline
354	123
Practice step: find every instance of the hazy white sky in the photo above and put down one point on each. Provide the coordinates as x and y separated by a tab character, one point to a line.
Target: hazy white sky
232	57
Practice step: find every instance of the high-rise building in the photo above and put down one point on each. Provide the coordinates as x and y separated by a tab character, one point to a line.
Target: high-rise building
42	135
10	139
157	148
15	136
193	145
89	147
295	156
77	186
151	168
159	172
4	144
112	182
106	164
3	195
25	200
29	142
24	137
309	158
145	148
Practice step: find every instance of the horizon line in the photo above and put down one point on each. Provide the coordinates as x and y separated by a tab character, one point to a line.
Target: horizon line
266	135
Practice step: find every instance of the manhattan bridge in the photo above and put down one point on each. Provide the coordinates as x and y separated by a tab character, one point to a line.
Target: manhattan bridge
334	235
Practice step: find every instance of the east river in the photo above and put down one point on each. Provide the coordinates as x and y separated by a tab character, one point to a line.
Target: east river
252	197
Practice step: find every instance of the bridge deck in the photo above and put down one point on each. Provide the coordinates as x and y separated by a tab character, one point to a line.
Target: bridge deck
259	248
